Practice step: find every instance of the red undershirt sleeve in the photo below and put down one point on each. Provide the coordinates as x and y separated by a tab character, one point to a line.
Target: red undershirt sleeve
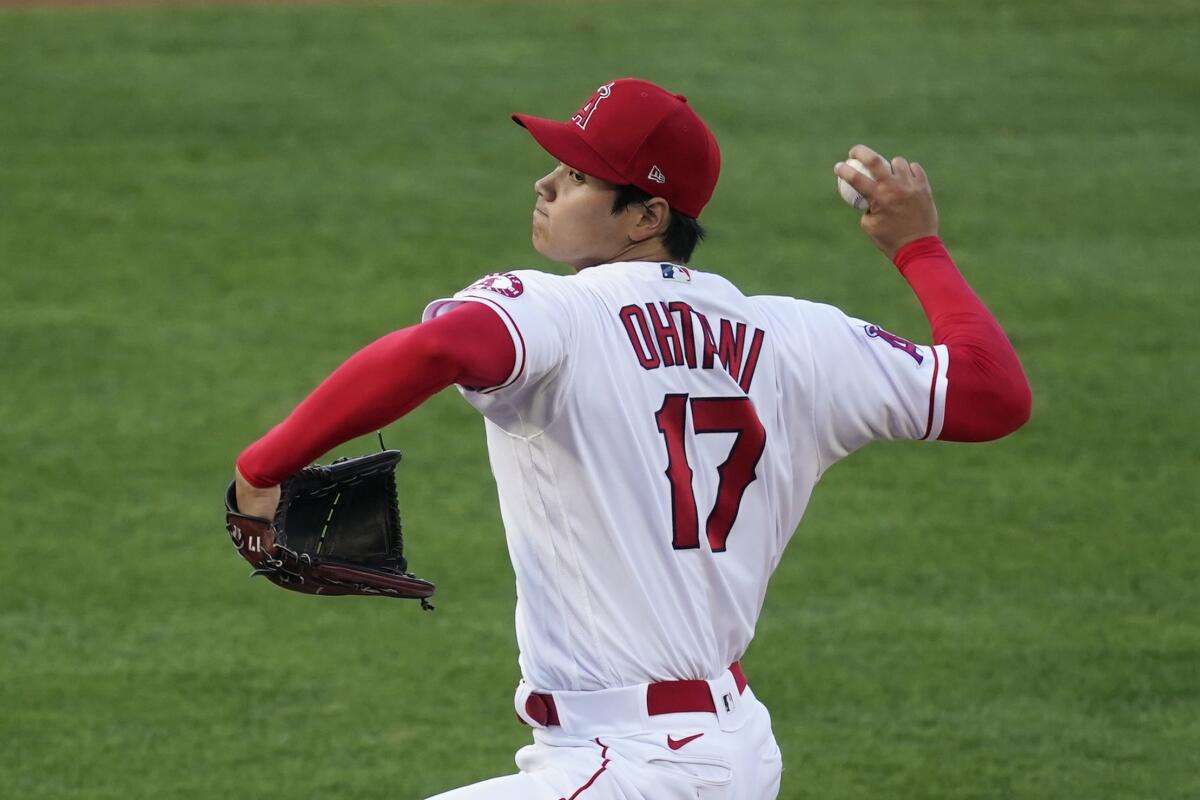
987	394
381	383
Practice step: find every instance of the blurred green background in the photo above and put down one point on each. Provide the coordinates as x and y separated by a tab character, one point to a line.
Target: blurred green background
204	210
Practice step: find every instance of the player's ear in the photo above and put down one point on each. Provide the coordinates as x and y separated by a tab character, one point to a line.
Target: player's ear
653	217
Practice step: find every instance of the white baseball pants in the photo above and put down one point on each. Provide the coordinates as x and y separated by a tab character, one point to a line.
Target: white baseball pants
605	752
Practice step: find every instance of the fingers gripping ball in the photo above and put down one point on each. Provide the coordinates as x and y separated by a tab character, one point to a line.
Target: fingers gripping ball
337	532
849	193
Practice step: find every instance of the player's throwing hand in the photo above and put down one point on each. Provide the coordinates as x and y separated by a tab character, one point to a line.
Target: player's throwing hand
901	206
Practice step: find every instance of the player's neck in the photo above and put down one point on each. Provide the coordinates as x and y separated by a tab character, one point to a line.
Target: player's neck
649	250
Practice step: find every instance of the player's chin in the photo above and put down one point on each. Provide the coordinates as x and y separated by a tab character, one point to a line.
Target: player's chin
540	242
546	252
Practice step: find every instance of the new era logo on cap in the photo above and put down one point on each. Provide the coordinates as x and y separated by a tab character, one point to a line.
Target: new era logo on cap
631	131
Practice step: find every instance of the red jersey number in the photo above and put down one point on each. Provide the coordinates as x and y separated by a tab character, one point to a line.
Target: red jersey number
737	472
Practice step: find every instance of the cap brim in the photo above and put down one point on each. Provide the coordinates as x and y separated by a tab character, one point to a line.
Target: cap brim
563	141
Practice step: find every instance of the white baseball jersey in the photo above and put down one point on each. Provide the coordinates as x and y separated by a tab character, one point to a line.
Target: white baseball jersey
654	450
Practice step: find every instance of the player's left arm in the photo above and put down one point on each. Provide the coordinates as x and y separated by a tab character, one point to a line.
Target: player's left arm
376	386
987	394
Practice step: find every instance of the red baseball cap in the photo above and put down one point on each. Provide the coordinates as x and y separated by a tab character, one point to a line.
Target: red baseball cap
634	132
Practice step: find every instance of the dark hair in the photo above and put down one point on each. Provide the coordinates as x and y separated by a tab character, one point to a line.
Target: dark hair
683	232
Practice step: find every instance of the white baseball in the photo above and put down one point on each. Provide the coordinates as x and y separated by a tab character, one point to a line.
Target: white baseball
849	193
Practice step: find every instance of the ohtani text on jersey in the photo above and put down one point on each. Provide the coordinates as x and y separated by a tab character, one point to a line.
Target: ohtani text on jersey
676	335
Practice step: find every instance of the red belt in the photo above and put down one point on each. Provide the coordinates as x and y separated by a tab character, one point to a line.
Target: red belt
666	697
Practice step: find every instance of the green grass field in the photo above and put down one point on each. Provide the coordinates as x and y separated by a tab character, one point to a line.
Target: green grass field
203	210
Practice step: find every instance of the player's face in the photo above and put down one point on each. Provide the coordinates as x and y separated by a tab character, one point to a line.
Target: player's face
573	221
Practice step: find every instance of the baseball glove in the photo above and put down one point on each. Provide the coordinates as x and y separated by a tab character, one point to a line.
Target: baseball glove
336	532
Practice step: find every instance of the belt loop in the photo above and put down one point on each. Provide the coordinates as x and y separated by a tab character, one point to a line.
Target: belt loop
728	701
524	701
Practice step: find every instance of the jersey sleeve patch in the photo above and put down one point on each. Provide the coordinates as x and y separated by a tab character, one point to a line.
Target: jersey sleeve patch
920	355
876	332
505	284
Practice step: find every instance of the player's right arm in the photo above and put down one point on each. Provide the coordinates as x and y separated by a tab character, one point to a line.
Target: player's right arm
987	395
869	384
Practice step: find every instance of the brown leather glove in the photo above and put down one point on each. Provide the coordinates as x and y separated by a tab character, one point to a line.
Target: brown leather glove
336	532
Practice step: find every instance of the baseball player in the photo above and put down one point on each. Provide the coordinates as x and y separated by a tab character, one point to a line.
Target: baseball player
655	435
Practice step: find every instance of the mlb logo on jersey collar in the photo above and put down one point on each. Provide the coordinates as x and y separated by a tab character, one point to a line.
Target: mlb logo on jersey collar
671	272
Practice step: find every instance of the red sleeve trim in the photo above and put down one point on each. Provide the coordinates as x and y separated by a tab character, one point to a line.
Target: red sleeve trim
937	363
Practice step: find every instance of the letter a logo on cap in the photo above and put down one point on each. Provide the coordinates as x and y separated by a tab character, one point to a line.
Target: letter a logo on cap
656	175
584	115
